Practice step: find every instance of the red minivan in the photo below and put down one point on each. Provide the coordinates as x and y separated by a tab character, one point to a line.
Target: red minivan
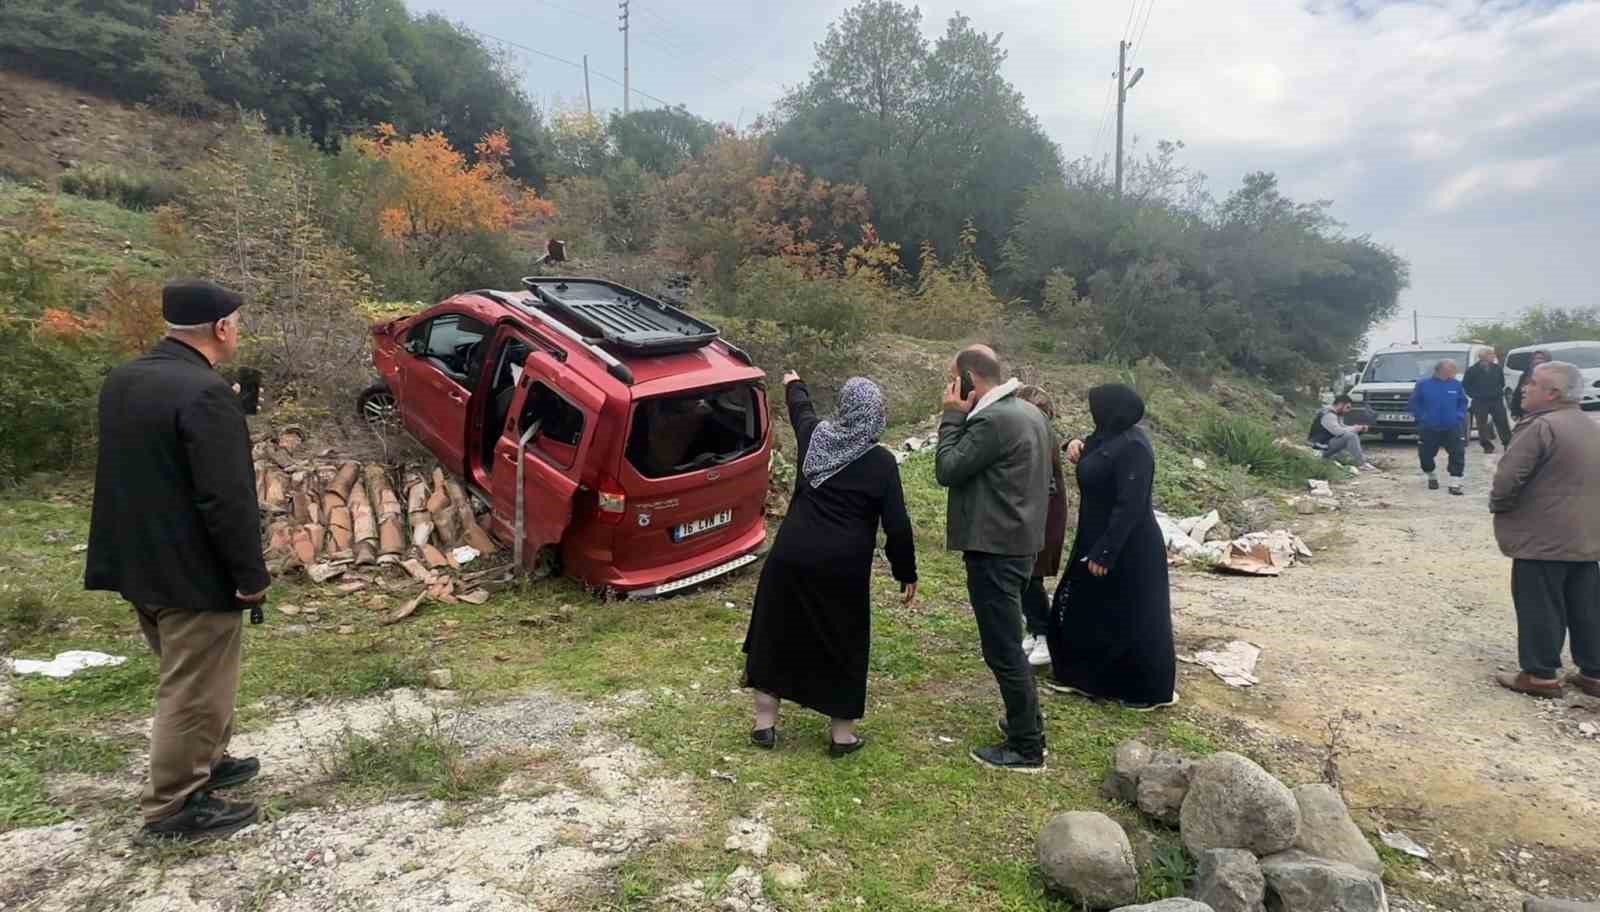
602	426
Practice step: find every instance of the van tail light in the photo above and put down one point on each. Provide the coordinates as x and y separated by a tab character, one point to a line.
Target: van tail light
611	501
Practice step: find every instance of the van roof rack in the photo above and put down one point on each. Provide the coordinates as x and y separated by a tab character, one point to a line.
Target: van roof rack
631	321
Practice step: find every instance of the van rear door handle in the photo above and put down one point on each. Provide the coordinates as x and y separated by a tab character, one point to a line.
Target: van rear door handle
456	397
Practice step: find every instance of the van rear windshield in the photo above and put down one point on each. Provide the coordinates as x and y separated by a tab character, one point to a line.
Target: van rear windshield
694	430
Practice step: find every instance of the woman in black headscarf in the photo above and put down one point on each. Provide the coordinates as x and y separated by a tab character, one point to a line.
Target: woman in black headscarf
1110	630
812	623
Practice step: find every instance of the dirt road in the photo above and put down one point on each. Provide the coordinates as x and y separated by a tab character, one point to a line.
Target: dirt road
1403	616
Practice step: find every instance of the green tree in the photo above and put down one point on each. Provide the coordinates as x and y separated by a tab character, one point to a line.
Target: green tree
1539	324
660	140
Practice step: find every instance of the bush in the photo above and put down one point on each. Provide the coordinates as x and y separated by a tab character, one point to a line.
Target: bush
47	402
776	290
1252	445
114	185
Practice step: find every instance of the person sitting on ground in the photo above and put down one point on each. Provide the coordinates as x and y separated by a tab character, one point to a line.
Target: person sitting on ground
1111	623
1439	404
1035	599
812	624
1485	382
1538	358
1330	435
1546	506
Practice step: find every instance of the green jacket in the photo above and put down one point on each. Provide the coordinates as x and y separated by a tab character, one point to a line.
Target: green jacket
997	466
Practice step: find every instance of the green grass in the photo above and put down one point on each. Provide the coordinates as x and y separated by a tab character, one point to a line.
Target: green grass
411	757
1252	445
95	231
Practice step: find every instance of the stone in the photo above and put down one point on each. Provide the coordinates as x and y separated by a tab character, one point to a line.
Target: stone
439	678
1178	904
1327	831
744	892
1229	880
1086	857
1297	882
787	876
751	836
1122	782
1534	904
1163	785
1235	804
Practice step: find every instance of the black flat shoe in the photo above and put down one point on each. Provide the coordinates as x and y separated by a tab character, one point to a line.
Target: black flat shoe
233	771
765	738
837	750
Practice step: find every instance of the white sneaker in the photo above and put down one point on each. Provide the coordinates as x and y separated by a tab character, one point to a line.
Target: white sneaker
1028	642
1040	654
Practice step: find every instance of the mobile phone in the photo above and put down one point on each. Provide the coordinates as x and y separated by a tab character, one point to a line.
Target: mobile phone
966	385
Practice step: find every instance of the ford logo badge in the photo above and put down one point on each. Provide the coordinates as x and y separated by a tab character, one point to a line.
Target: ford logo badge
644	520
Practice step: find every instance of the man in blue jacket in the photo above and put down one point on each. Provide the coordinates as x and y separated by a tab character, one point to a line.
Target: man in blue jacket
1439	403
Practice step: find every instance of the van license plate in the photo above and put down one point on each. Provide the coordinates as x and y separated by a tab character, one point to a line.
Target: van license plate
1399	417
690	529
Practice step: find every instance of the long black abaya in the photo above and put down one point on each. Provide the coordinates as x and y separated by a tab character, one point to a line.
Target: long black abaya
812	623
1111	636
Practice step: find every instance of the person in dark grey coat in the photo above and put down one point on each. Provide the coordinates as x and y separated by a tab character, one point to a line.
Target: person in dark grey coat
175	531
994	457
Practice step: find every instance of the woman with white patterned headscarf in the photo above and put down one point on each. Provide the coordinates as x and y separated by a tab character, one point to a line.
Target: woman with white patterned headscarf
811	628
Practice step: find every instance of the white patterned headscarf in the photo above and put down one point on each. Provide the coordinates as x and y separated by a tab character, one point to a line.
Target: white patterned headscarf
852	432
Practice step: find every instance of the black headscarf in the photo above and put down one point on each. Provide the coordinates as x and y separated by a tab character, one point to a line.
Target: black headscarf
1116	409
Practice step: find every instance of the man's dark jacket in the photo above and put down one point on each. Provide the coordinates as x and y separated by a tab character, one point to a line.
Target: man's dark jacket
996	464
175	520
1485	383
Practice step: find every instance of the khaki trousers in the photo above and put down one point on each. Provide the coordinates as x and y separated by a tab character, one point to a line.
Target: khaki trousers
199	654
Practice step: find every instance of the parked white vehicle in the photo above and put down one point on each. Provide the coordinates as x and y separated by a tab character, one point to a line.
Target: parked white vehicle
1585	355
1384	392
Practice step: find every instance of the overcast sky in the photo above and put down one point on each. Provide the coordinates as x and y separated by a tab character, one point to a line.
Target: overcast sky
1465	134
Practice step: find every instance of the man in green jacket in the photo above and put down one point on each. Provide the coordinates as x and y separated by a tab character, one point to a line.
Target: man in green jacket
994	456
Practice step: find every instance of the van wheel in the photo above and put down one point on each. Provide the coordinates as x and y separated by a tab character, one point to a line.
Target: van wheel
376	406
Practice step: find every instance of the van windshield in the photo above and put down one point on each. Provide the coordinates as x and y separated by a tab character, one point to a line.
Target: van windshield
694	430
1406	367
1587	356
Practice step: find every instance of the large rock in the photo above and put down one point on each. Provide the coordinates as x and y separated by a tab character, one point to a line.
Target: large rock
1297	882
1534	904
1086	857
1170	905
1327	831
1163	785
1235	804
1229	880
1122	782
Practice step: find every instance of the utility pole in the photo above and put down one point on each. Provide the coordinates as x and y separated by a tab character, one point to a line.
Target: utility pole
1124	83
1122	99
1416	331
627	90
588	103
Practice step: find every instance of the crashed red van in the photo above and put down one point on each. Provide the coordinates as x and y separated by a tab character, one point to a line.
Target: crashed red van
604	428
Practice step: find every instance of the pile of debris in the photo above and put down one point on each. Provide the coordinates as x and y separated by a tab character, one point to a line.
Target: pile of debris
1203	539
332	516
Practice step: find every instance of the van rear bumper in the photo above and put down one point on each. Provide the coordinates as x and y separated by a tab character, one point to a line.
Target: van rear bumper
662	580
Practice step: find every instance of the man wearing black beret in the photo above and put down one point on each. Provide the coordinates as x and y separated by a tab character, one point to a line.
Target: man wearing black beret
175	531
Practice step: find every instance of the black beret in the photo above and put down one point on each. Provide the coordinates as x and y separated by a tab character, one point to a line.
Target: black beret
193	302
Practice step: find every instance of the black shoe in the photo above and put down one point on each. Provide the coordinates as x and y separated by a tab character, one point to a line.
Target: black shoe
1488	448
1456	490
1002	757
232	771
1150	707
1433	484
202	817
837	749
765	738
1005	729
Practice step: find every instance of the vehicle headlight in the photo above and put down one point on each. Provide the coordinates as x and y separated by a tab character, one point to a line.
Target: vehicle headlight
1357	396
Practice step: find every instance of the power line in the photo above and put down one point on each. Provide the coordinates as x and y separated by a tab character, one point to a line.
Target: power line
1139	42
571	63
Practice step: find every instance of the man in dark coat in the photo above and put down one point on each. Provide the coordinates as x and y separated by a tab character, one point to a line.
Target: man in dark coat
175	531
1486	384
994	456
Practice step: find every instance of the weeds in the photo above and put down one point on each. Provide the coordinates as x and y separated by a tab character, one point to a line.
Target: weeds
407	756
24	612
1167	874
139	192
1254	446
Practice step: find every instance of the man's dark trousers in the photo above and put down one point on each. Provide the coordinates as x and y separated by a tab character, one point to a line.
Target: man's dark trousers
1492	412
1454	442
995	583
1553	597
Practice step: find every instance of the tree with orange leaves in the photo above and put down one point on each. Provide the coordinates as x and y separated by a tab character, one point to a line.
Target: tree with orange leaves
437	200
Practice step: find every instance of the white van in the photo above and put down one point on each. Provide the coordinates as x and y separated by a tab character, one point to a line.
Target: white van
1585	355
1384	392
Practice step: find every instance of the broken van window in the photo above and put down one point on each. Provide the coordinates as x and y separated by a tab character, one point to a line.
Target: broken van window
694	430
